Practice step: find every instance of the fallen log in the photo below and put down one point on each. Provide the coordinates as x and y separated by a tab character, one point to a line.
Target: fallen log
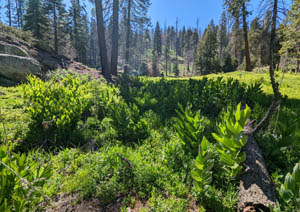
256	190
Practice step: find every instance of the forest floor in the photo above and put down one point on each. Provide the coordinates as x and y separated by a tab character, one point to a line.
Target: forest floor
16	120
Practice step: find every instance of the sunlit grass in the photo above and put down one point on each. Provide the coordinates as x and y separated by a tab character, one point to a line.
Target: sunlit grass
289	82
12	112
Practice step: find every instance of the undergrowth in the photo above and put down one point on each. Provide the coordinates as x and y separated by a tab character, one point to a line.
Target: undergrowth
138	140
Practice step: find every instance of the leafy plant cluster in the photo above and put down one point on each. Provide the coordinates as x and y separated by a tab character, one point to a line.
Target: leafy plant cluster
55	107
230	141
210	96
290	189
21	181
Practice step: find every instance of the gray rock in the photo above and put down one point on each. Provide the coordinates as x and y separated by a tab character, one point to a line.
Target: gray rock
6	48
16	68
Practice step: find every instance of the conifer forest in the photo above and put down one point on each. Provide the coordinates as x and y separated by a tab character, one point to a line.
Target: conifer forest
107	106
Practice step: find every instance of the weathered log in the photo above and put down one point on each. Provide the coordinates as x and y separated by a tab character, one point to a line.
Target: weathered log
256	188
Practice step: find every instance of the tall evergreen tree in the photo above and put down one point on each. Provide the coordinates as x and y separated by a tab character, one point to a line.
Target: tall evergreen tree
238	9
291	37
57	13
222	36
136	14
207	60
255	37
36	20
79	30
188	47
19	15
167	49
157	41
157	49
9	8
115	38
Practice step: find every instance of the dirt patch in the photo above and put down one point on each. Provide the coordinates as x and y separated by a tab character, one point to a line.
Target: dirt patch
69	203
82	69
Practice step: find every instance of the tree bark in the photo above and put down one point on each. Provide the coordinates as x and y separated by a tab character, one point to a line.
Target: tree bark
55	29
9	12
115	39
256	188
245	29
128	31
101	39
272	63
166	57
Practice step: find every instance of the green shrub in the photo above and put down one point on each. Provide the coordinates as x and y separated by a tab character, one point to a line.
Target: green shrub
231	140
55	108
190	127
20	183
290	189
127	122
204	164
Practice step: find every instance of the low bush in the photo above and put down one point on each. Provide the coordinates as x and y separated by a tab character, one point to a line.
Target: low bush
55	107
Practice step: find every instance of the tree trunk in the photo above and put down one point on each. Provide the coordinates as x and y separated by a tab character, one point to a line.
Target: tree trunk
115	39
245	29
17	14
101	39
9	12
272	63
128	30
256	188
166	56
55	29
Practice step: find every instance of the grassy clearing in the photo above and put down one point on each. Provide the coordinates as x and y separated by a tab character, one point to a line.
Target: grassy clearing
12	110
289	82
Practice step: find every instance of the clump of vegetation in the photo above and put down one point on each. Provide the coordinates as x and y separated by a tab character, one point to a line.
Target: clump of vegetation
55	107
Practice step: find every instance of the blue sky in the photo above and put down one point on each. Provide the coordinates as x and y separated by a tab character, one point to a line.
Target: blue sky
187	11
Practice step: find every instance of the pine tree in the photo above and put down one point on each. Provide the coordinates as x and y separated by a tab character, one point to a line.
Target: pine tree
237	8
291	37
93	48
255	37
36	20
9	7
235	44
157	41
167	46
115	38
207	60
188	50
136	15
222	36
157	49
79	30
56	12
20	10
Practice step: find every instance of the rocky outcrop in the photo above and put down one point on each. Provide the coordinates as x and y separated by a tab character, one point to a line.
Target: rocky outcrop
17	60
20	56
16	68
11	49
